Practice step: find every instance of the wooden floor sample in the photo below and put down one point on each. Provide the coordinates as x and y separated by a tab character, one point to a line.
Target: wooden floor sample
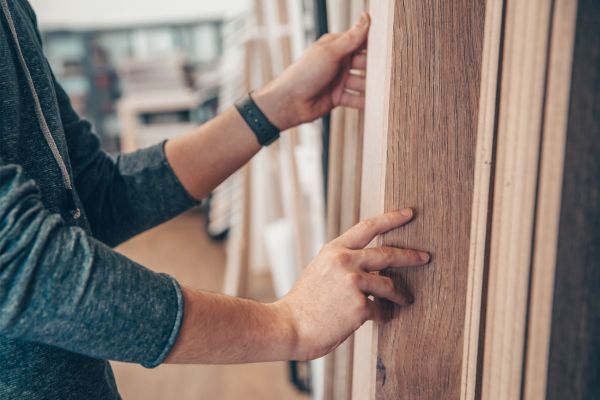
181	249
435	88
424	105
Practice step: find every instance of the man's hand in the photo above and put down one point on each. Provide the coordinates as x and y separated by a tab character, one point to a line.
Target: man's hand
329	74
330	301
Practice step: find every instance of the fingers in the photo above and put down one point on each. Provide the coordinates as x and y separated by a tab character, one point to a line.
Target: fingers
329	37
373	310
380	258
354	38
352	100
361	234
356	82
383	287
359	61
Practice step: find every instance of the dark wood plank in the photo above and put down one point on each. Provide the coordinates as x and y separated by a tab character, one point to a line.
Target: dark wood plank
574	363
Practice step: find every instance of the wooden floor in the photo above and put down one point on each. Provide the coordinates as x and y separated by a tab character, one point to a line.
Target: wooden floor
181	249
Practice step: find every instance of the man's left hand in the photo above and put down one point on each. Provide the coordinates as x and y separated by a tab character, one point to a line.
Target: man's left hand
330	73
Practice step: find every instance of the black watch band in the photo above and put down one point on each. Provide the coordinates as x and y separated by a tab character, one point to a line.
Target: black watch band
265	132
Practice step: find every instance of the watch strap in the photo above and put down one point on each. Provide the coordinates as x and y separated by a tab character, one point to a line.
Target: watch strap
265	132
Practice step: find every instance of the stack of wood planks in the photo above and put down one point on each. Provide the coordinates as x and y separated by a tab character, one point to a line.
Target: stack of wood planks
485	117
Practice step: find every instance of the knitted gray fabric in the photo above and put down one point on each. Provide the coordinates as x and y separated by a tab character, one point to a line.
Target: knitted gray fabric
68	302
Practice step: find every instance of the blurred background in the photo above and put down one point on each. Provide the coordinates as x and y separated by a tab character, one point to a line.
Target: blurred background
145	71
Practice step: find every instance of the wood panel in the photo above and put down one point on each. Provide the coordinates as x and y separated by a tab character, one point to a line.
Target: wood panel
481	158
346	133
574	362
545	241
376	127
521	105
482	195
433	64
430	166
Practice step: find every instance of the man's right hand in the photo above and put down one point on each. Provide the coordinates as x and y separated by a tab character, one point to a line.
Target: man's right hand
331	299
329	302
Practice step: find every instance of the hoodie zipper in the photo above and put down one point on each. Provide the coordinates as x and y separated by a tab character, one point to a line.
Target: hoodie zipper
75	211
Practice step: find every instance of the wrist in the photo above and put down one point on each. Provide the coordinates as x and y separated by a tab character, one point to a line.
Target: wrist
276	107
286	325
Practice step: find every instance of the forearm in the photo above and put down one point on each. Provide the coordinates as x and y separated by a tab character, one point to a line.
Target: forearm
205	157
60	287
228	330
308	89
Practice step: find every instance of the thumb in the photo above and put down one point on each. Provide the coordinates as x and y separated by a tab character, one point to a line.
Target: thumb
352	40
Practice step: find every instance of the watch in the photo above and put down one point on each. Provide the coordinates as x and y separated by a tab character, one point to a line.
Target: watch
265	132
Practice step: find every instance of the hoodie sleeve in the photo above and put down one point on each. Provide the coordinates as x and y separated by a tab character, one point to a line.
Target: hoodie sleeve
61	287
121	196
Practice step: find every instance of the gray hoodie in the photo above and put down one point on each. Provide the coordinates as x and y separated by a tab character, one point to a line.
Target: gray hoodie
68	302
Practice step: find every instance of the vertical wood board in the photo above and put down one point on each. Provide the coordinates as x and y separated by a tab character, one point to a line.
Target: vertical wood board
430	166
574	360
519	131
545	242
376	125
482	193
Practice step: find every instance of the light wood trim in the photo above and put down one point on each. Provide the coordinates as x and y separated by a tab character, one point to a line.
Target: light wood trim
237	268
379	67
549	197
336	160
519	128
484	157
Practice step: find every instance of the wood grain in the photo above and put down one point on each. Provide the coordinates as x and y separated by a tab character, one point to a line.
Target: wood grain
430	166
521	107
482	195
376	127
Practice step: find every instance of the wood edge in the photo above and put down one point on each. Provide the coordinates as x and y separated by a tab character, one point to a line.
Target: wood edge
336	162
481	194
549	198
379	63
515	182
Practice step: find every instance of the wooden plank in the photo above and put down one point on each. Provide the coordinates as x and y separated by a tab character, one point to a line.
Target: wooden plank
518	145
336	162
352	163
287	144
334	201
435	83
237	268
574	360
378	96
480	219
349	211
549	198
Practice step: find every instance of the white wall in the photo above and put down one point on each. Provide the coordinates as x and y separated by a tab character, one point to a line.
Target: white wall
85	14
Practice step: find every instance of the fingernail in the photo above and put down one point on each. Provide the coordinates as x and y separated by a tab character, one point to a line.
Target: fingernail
410	299
362	20
407	212
425	257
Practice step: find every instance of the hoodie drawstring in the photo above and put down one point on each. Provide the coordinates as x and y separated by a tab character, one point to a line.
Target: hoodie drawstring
75	212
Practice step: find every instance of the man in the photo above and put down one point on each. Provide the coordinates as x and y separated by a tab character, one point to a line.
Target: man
68	303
